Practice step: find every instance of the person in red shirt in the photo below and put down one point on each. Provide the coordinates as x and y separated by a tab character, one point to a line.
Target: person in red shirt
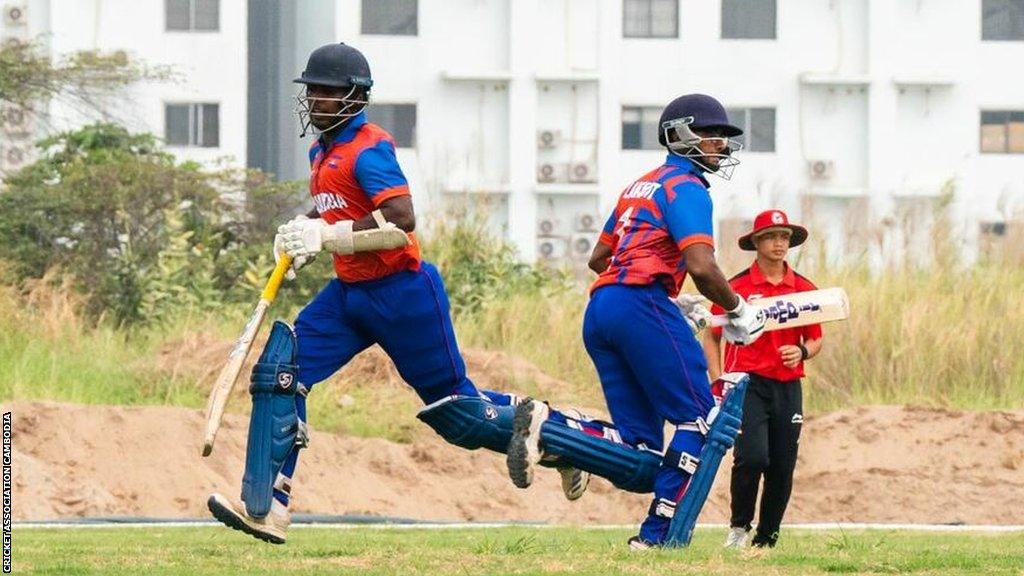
773	407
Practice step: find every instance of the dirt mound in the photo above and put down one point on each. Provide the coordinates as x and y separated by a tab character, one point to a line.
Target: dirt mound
873	464
199	357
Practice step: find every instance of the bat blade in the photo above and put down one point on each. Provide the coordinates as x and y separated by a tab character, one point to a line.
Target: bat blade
218	399
225	382
799	309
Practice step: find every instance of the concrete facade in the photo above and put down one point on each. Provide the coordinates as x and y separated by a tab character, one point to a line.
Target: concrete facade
520	107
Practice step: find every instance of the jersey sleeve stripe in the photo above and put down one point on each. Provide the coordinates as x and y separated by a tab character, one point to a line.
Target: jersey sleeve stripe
606	239
389	193
696	239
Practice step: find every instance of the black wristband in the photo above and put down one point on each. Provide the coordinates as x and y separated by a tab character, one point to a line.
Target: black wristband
804	354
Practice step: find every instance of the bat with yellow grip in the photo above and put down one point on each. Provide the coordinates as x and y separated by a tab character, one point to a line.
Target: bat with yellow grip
226	380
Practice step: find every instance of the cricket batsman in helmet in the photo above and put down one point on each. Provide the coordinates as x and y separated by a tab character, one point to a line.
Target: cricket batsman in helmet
641	335
384	294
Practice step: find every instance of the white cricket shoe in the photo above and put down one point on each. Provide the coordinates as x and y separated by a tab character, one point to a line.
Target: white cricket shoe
737	538
574	482
524	450
269	529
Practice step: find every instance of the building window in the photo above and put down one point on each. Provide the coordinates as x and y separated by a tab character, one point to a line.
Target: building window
748	19
758	126
398	119
650	19
1002	131
196	125
390	17
186	15
640	128
1002	20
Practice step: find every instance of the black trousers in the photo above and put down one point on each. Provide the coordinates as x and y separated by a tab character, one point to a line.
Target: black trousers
767	446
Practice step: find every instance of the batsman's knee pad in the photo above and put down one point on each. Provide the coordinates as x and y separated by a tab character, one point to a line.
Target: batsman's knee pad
628	468
275	428
720	436
471	422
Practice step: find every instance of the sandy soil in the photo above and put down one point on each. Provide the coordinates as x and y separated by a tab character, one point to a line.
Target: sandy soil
875	464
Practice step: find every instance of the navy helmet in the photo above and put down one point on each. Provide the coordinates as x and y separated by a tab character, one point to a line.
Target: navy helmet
334	66
707	114
687	114
337	65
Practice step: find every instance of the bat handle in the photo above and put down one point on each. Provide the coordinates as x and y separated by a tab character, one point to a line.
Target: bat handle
276	278
719	320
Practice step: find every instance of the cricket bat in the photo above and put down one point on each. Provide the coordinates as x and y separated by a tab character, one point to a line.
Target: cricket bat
799	309
218	400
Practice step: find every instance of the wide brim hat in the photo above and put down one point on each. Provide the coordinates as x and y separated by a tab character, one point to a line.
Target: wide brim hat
773	220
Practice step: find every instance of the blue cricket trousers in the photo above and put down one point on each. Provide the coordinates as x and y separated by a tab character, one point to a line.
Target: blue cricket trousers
407	313
652	371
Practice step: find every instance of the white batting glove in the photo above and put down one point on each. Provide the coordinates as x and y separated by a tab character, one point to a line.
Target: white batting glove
697	316
297	262
308	237
746	323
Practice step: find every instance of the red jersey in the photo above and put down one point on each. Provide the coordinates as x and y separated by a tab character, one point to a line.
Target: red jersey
655	219
762	357
351	178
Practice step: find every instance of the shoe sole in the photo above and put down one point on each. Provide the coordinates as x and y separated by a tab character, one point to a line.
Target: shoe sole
519	459
228	517
574	489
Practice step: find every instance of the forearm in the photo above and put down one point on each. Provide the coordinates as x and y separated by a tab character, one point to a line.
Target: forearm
708	277
711	283
713	353
601	258
306	237
813	347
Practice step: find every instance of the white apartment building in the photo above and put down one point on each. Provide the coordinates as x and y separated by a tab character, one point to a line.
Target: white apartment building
200	113
862	115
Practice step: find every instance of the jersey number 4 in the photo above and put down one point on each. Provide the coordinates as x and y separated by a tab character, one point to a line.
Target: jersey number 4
624	222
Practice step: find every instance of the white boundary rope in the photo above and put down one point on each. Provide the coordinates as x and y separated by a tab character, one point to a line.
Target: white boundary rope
823	526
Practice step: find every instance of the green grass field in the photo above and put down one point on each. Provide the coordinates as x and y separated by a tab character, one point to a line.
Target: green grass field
519	550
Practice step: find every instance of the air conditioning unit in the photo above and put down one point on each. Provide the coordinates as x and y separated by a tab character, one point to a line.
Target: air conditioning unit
585	222
548	172
549	139
582	172
15	121
551	248
992	229
10	43
15	15
581	245
13	158
821	169
548	227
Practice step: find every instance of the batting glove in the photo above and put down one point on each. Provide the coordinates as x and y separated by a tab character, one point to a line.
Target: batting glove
297	261
746	323
697	316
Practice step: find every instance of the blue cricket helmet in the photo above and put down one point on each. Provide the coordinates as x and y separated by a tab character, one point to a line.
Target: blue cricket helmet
707	113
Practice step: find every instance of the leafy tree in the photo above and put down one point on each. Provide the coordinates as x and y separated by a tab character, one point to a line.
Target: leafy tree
29	77
142	234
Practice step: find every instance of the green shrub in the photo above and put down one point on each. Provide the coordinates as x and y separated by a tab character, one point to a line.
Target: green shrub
479	268
143	235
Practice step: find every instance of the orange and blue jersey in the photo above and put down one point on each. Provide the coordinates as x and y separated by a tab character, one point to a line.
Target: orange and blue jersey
655	219
651	367
351	177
